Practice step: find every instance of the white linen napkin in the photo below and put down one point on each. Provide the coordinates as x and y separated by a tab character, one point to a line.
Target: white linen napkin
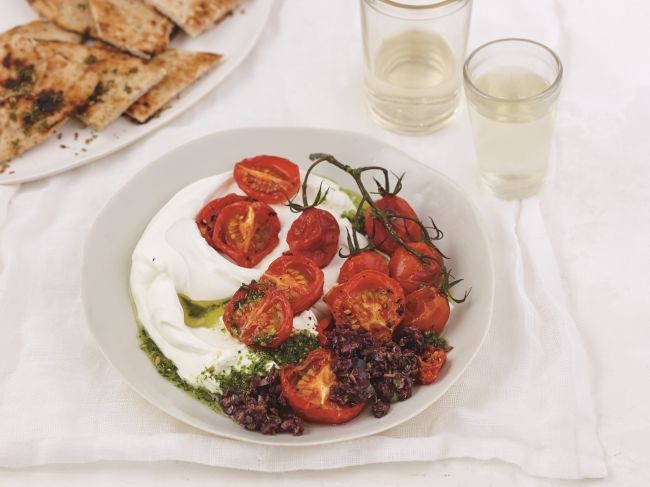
526	398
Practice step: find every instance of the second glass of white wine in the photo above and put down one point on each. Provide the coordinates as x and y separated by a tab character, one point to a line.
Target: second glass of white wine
512	86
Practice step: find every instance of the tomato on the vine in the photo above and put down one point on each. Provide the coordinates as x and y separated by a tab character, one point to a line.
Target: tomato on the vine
315	235
407	229
370	300
367	260
307	385
259	316
268	178
411	271
246	231
428	309
299	278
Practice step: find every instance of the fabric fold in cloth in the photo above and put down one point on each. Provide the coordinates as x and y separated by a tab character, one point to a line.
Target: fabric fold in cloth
525	400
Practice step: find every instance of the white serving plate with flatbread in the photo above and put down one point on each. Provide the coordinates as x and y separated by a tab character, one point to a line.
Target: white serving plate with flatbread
234	37
118	227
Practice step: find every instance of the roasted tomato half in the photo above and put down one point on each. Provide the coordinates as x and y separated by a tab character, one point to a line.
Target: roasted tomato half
307	388
259	316
371	300
427	308
298	278
431	361
363	261
395	207
207	217
268	178
412	272
246	231
315	235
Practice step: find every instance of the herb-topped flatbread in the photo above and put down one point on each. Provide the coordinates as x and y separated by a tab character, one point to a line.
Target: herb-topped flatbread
131	25
183	68
122	80
195	16
42	30
48	89
72	15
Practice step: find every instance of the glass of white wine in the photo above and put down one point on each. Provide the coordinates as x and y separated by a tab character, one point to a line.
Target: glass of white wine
512	87
413	52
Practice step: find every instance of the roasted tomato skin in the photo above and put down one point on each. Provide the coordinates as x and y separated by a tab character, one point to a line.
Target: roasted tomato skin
371	300
411	272
315	235
269	179
299	278
324	324
259	316
246	231
306	387
430	362
364	261
408	230
427	308
207	217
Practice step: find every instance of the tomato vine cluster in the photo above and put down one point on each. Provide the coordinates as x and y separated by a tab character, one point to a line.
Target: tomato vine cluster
392	295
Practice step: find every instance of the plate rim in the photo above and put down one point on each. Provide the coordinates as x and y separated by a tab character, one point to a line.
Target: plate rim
379	428
10	179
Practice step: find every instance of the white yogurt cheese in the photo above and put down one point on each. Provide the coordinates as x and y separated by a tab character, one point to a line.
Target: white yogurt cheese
172	257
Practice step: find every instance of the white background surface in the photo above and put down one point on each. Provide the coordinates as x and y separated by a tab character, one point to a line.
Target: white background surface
596	207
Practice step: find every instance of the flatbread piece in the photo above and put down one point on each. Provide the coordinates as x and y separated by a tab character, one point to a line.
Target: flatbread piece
72	15
195	16
49	96
131	25
122	80
183	68
43	30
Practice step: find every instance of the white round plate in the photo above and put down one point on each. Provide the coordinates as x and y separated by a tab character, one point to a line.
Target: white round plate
78	145
110	243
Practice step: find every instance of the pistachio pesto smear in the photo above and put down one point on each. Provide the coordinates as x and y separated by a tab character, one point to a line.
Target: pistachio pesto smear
181	286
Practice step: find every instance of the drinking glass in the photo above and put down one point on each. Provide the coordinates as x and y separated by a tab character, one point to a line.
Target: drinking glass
413	52
512	87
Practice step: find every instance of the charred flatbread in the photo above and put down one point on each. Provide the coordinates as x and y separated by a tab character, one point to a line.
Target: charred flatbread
183	68
72	15
195	16
131	25
50	95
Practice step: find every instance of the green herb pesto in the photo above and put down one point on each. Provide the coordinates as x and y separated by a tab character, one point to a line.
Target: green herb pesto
295	349
202	314
351	215
437	341
169	371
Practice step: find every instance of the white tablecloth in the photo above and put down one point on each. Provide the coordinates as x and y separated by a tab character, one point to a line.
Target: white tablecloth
594	206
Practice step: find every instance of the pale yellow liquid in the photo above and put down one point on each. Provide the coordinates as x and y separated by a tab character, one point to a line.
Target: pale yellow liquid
413	82
512	139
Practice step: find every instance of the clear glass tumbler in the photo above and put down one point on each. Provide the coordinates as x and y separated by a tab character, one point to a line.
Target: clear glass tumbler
512	87
413	55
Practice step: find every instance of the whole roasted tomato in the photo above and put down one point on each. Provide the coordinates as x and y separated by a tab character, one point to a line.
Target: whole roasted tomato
363	261
307	385
412	272
246	231
206	218
431	361
268	178
259	316
315	235
395	207
370	300
427	308
299	278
